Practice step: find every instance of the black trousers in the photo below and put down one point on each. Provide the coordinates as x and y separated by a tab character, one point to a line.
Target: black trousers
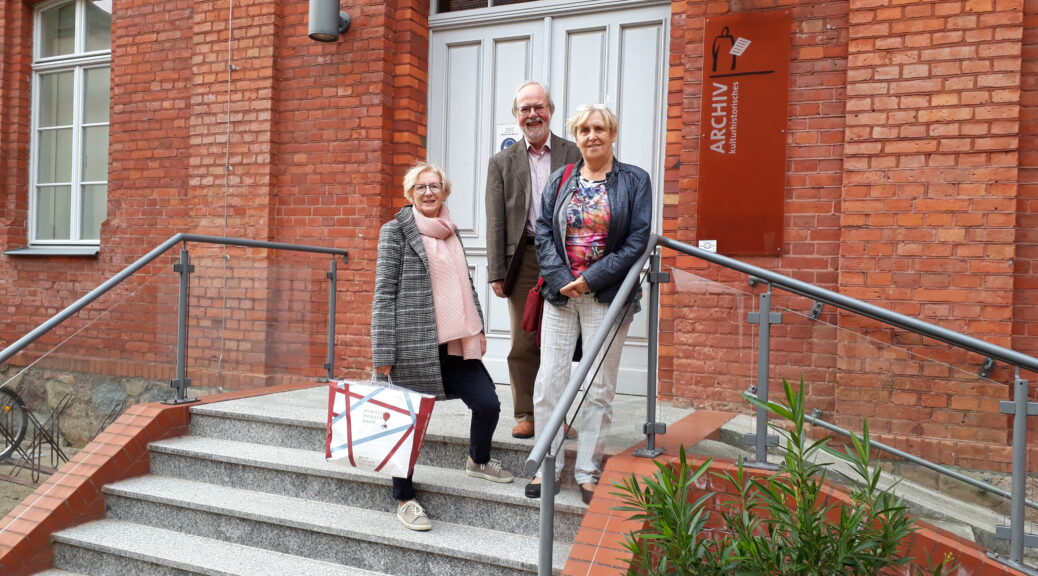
470	381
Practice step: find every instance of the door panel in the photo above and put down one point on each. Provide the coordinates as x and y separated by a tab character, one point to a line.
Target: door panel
617	57
461	104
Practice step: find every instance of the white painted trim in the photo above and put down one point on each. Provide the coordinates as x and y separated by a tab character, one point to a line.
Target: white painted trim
77	63
532	10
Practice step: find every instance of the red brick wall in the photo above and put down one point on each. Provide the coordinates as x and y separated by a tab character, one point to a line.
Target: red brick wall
1025	313
929	208
15	31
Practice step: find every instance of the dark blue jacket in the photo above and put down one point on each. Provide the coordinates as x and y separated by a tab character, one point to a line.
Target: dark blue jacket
630	223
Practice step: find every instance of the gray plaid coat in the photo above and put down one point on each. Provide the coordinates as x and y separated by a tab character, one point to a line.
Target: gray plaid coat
403	319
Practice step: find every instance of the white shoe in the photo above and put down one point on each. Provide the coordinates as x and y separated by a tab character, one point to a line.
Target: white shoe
412	515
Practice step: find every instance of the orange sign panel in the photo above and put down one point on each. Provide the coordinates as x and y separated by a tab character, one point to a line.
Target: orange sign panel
742	154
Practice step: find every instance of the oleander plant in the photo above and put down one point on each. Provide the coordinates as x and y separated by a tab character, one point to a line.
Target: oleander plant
783	523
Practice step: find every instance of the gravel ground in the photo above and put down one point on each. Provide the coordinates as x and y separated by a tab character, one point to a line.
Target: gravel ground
13	492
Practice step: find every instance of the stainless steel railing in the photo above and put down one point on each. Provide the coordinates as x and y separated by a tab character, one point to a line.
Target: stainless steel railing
184	269
1020	407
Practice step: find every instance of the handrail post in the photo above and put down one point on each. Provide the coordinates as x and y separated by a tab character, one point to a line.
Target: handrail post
1017	518
652	427
1020	408
184	268
764	317
547	517
329	365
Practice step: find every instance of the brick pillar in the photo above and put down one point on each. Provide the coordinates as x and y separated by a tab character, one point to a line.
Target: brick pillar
929	200
15	74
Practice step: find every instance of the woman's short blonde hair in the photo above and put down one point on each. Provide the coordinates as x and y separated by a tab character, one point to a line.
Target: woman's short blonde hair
584	111
417	170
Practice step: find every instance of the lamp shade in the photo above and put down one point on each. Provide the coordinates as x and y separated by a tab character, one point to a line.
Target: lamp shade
326	22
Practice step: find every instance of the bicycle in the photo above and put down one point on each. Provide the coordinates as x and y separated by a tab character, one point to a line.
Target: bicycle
14	422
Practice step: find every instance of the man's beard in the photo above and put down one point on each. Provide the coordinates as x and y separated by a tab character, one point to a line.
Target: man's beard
535	133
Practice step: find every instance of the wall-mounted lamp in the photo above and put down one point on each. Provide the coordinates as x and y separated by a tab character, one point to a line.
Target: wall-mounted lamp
326	22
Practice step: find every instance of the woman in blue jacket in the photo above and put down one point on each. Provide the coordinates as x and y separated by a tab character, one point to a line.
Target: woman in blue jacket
592	229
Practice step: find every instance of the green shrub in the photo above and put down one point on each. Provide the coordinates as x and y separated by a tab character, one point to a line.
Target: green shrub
783	524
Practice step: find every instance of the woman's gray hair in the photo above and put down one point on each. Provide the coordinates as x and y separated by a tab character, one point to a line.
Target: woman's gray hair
417	170
584	111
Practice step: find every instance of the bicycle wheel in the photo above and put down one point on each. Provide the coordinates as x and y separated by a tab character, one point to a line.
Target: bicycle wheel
14	421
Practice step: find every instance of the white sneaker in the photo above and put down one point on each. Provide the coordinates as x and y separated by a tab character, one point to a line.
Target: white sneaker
492	471
412	515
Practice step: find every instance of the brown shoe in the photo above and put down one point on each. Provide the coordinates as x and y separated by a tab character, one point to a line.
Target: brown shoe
523	430
571	432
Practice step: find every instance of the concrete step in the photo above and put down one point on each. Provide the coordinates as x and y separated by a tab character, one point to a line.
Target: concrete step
448	493
298	420
58	572
116	548
346	535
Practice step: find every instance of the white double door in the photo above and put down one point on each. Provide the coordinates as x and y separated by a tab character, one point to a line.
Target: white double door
612	52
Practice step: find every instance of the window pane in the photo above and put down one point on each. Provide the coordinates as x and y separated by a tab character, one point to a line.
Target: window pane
56	99
95	154
58	35
54	161
95	101
95	210
53	204
98	26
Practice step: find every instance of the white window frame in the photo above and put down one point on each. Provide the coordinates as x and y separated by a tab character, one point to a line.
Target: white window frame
77	62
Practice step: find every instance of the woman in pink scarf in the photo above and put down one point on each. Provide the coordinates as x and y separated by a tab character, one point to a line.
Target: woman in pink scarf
427	326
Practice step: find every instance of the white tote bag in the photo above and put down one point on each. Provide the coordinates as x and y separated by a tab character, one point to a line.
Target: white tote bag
375	427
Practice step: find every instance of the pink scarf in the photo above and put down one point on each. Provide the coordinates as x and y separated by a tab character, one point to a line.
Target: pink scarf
457	320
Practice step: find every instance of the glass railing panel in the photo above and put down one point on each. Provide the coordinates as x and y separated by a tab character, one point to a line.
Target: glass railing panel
82	374
258	319
707	348
255	318
917	394
924	397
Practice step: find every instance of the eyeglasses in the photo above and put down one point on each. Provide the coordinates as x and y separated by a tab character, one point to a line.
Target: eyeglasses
525	110
590	107
435	188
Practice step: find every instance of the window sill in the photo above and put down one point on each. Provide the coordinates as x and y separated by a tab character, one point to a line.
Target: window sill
91	251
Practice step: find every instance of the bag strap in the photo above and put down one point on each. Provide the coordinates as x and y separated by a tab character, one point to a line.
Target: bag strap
565	176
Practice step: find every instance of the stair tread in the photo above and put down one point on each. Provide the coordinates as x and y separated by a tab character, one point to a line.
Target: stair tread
497	547
450	481
307	408
188	552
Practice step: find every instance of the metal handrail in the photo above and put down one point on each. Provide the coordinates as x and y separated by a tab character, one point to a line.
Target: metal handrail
980	484
540	454
872	311
141	262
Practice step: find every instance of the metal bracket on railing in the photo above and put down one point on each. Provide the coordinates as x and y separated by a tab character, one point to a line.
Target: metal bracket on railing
816	309
659	277
986	367
184	268
750	438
